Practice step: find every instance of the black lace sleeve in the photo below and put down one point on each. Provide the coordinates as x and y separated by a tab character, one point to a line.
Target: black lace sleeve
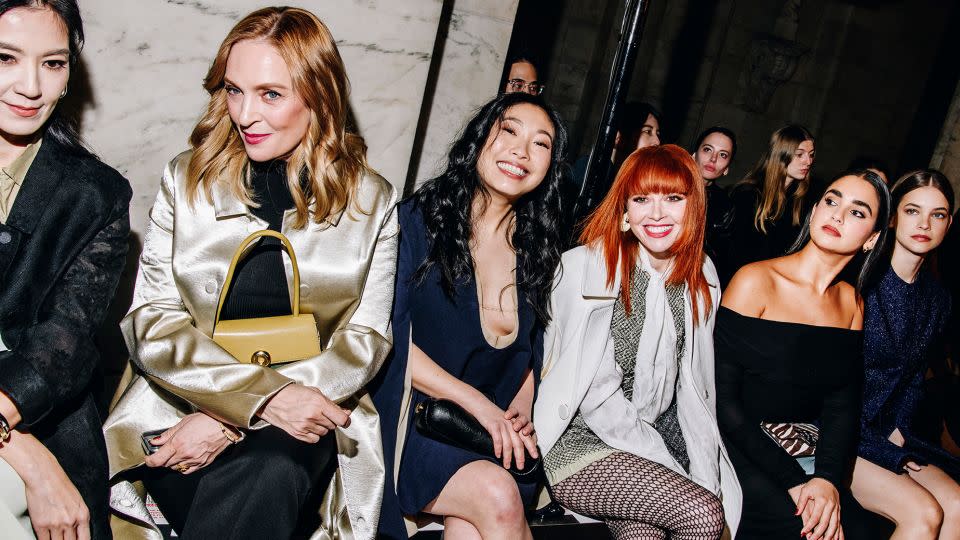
56	355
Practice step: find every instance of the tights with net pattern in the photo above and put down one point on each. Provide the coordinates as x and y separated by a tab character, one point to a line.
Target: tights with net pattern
640	499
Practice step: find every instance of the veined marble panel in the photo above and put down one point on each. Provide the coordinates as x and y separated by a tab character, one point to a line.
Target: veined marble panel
470	70
145	61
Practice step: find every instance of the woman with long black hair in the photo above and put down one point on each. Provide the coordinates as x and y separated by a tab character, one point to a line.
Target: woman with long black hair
788	352
63	243
478	249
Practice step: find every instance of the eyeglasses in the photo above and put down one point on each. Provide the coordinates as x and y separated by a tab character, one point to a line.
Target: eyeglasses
520	85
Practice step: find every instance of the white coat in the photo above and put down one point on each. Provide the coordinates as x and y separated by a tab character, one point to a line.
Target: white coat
581	373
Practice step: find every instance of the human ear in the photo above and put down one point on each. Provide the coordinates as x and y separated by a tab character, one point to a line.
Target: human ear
871	242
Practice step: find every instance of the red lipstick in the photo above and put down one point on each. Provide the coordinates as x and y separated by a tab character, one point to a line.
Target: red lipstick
255	138
649	229
831	231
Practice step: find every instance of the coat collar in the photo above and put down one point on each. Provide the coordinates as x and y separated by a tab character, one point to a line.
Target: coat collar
227	206
594	283
40	183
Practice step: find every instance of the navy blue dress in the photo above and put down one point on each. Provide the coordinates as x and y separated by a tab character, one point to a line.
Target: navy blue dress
902	321
448	330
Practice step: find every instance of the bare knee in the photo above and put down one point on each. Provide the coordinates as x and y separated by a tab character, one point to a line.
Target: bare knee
503	507
924	519
950	504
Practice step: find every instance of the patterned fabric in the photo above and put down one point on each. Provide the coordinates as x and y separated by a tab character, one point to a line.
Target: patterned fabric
577	448
640	499
798	439
626	330
668	423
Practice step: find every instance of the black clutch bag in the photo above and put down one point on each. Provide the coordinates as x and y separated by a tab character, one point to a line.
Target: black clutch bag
444	421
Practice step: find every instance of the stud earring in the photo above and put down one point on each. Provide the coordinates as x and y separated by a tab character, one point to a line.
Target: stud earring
625	224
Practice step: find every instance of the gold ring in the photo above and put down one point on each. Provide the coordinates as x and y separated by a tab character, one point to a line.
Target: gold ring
180	467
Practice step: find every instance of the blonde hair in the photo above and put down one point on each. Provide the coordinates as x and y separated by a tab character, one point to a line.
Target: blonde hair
331	154
770	175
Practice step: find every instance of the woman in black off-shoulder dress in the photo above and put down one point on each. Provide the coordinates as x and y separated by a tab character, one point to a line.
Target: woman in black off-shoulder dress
788	340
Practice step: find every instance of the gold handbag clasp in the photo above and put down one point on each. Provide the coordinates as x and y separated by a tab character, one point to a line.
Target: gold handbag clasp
260	358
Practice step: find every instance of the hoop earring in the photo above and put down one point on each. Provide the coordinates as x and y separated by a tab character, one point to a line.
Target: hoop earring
625	224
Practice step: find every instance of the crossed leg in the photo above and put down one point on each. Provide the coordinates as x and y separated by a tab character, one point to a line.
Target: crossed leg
481	500
642	500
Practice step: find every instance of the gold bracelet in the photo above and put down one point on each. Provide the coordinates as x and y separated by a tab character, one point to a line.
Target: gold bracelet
4	429
232	434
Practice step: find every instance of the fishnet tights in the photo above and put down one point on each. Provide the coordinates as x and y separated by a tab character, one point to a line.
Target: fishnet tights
640	499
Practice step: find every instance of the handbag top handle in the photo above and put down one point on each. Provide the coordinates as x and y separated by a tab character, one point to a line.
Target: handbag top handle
241	252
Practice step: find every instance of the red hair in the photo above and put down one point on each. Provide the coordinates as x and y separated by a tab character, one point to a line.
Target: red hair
655	169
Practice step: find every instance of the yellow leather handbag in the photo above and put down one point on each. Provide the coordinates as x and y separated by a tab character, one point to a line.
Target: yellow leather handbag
267	341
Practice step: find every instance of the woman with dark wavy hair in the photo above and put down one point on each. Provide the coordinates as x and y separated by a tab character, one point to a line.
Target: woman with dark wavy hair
478	248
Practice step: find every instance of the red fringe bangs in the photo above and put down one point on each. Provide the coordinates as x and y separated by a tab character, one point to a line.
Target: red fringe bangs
658	169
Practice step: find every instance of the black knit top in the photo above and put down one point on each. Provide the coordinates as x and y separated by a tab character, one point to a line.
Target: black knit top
259	287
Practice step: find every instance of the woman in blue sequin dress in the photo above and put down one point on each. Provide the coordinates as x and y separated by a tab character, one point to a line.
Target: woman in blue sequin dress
898	475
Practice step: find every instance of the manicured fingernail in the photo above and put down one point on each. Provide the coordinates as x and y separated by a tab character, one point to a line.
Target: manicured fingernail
155	439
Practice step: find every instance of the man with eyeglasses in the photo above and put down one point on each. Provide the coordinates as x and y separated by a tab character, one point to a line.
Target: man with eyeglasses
522	77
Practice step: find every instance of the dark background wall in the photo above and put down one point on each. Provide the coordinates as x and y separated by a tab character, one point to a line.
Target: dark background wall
867	77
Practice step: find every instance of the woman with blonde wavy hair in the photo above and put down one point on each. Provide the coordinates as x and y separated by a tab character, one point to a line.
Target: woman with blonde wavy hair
770	202
235	449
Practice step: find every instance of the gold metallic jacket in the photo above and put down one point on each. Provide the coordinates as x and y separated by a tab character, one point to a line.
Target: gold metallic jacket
347	266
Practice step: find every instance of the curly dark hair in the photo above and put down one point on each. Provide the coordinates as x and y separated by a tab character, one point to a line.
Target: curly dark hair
446	203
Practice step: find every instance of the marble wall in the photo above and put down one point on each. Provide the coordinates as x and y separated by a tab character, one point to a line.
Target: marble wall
946	157
140	91
144	62
474	51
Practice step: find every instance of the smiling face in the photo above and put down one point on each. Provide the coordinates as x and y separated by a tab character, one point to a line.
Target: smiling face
844	219
516	155
801	162
713	156
656	219
34	69
922	220
271	117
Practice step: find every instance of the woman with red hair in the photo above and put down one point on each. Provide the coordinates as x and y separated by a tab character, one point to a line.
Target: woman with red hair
626	414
